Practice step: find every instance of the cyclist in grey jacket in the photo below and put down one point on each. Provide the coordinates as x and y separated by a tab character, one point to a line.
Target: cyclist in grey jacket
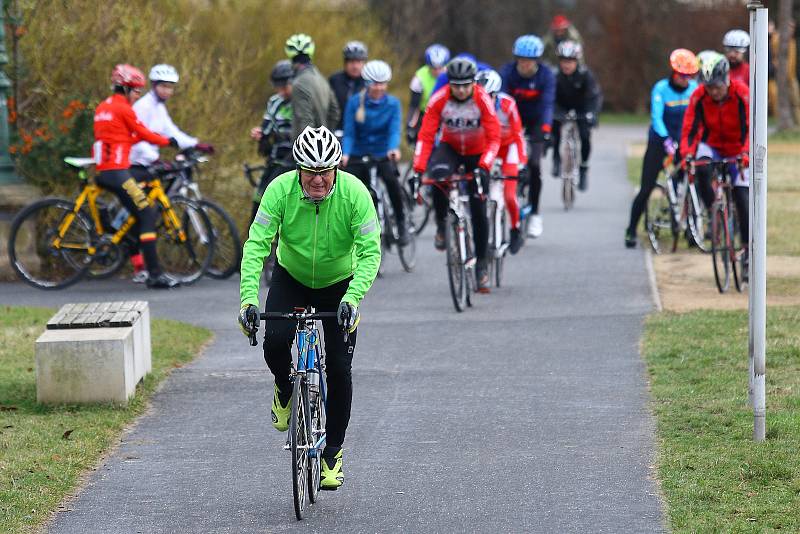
312	98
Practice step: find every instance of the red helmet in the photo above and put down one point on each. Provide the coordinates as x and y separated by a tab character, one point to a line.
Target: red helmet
684	61
127	76
559	22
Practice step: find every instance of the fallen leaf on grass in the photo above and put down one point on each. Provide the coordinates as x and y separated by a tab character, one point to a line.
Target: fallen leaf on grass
67	434
56	458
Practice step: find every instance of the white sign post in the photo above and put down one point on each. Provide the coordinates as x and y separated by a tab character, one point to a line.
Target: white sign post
758	215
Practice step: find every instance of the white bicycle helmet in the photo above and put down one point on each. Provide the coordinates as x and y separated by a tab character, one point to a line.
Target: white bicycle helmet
736	39
317	149
704	56
377	71
490	80
163	73
569	50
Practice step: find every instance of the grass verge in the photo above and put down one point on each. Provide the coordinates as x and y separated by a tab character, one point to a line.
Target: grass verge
714	477
45	449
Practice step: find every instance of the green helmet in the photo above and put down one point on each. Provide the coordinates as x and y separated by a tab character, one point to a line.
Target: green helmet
299	43
714	70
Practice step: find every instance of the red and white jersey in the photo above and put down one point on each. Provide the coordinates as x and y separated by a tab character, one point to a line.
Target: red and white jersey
511	132
470	127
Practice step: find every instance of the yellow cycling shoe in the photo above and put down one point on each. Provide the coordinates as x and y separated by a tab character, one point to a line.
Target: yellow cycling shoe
280	414
332	475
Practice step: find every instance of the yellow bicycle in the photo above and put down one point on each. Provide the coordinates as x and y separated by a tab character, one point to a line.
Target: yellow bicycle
55	242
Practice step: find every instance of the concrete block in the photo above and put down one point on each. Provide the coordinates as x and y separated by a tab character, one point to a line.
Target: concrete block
86	365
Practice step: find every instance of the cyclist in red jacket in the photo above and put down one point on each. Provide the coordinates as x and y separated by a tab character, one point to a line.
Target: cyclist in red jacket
513	148
716	125
116	129
470	136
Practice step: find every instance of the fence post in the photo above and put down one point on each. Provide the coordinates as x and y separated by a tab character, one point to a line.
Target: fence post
758	214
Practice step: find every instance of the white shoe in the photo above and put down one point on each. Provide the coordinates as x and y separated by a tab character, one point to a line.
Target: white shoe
140	277
535	227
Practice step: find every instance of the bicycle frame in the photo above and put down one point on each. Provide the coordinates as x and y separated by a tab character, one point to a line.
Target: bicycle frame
458	206
90	193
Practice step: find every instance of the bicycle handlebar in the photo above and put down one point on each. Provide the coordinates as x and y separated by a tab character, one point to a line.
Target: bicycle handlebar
300	315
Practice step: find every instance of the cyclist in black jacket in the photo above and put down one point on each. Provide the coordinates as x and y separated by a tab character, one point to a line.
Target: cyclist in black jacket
348	81
576	89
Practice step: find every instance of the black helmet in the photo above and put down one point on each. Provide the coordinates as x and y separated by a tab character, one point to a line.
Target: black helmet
461	70
355	50
282	72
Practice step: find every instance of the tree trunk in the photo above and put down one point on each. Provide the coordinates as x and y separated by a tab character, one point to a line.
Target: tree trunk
782	76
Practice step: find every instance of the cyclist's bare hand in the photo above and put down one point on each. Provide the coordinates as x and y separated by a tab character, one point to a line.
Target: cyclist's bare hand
394	155
256	133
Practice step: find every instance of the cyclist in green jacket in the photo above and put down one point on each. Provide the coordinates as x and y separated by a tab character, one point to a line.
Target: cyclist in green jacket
328	256
421	87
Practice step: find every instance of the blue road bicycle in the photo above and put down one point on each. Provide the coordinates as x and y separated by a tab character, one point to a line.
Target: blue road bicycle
306	437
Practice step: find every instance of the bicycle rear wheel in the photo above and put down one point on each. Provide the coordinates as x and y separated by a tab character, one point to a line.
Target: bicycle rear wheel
227	244
456	274
408	253
720	253
32	251
299	443
184	249
657	217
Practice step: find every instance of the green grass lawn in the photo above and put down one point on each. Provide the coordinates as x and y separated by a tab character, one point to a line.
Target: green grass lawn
714	477
44	450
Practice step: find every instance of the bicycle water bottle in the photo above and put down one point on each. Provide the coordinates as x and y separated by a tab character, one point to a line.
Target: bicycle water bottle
119	218
312	379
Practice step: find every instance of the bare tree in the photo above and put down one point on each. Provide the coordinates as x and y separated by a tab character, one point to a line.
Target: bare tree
786	120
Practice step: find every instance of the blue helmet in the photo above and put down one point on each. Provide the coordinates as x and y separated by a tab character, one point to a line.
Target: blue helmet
528	46
437	56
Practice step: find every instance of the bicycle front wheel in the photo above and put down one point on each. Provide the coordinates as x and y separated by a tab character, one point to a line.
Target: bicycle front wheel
421	207
299	443
657	217
456	274
736	248
227	244
720	248
315	409
697	221
36	252
408	253
500	250
185	240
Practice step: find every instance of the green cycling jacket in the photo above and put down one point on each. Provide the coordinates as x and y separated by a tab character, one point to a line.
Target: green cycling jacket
320	244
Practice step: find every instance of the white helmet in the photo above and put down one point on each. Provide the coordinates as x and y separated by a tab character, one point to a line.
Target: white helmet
706	56
317	149
490	81
736	39
377	71
163	73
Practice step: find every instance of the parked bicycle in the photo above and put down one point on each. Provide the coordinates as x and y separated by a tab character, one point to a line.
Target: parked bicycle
179	180
55	242
727	250
461	260
306	439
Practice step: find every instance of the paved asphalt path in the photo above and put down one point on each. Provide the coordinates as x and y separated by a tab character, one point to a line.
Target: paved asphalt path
527	413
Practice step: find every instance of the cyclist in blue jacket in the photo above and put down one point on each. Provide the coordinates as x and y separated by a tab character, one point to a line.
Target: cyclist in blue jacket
372	122
533	86
668	102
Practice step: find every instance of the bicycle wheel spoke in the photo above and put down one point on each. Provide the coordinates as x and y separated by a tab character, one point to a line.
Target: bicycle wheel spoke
185	250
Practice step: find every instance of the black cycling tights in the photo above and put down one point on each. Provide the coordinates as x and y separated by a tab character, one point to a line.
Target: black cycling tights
286	293
535	149
443	163
135	201
585	134
741	199
386	170
651	165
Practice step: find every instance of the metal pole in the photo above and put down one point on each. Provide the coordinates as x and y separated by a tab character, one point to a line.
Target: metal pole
758	214
7	174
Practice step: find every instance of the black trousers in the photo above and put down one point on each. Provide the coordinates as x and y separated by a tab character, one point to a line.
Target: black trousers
286	293
651	165
443	163
386	170
124	186
585	134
